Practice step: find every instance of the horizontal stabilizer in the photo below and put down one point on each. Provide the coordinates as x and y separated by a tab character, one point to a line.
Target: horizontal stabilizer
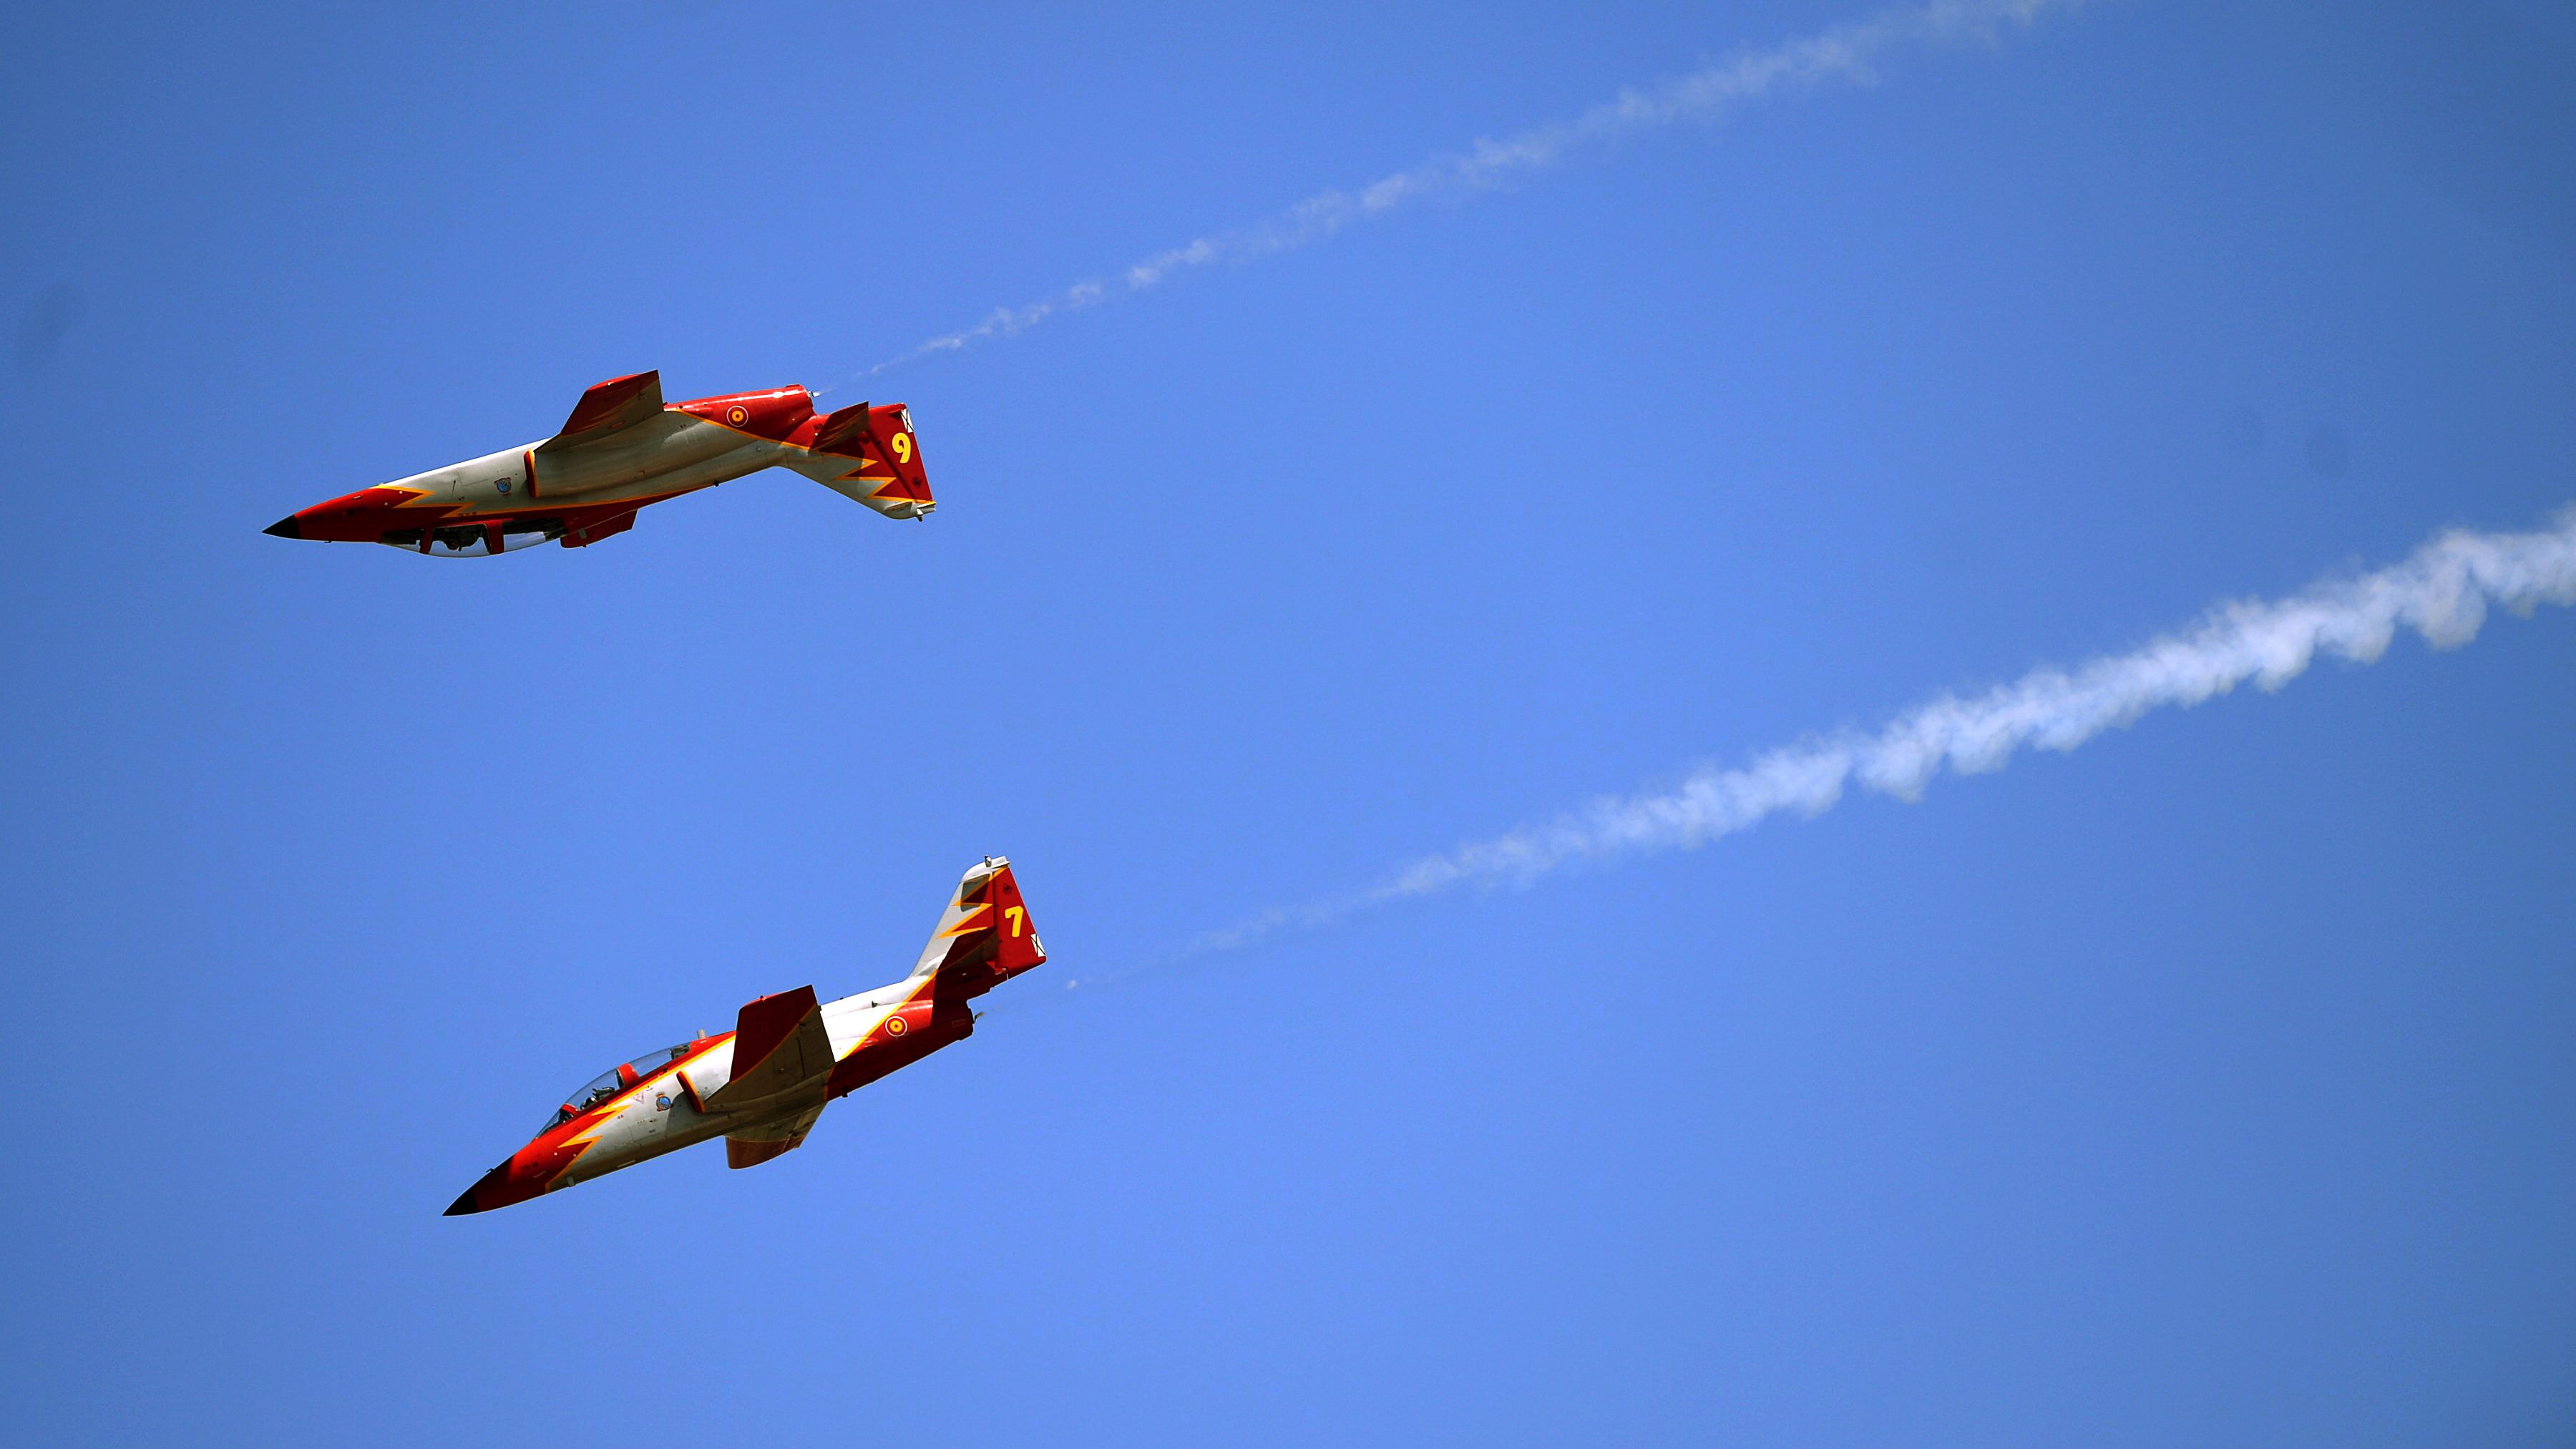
781	1054
845	431
620	402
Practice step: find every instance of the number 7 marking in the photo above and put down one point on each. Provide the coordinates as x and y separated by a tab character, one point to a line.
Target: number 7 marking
1019	918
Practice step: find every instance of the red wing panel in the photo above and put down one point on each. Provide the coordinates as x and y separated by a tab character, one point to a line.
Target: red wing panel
740	1153
756	1145
764	1025
620	402
781	1054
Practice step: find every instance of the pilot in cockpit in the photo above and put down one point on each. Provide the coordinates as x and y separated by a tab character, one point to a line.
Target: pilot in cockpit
613	1081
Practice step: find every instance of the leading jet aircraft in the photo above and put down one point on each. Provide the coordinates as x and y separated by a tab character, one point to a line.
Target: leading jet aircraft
761	1085
621	449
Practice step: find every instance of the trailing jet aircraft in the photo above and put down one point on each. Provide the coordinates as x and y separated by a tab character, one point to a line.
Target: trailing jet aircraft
621	449
761	1085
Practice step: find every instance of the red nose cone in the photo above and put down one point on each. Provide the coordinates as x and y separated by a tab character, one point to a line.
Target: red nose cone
360	517
483	1196
516	1180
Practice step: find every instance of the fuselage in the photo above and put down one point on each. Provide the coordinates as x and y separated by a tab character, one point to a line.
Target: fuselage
577	488
648	1107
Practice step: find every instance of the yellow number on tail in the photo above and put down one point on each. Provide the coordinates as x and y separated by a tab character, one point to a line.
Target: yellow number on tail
1018	915
903	447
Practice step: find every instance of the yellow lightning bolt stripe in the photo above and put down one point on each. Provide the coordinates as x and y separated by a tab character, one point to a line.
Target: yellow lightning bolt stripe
967	923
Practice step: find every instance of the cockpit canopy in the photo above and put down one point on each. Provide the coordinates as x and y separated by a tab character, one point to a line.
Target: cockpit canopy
613	1081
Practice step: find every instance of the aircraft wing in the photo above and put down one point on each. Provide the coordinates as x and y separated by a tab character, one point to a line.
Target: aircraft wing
753	1146
782	1057
620	402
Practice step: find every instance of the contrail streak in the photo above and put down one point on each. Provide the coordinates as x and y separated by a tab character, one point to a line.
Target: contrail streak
1843	53
2442	592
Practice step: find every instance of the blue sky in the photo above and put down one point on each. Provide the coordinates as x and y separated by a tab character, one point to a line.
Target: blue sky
2208	1084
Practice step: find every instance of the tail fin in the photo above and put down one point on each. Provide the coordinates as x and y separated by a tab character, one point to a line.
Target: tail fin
872	454
985	936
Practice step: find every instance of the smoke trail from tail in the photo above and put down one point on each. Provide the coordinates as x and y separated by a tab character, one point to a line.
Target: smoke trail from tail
2442	592
1843	53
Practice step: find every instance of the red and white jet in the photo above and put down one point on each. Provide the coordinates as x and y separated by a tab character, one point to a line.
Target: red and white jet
761	1085
621	449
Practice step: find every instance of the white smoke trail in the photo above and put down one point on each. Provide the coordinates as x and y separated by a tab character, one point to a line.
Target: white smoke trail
2442	592
1845	53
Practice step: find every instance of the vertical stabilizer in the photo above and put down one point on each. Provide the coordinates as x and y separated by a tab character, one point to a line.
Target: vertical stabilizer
870	452
985	936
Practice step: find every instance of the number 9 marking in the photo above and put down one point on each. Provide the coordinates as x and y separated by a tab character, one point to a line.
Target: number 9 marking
903	447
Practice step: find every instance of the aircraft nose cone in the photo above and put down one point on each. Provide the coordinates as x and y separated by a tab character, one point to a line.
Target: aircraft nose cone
465	1201
287	527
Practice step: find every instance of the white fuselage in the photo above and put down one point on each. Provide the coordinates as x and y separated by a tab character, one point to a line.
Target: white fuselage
662	1113
661	458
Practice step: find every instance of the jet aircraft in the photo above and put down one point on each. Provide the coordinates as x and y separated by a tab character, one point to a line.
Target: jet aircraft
761	1085
623	448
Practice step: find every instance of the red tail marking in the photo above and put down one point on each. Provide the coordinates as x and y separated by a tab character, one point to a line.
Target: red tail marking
890	428
880	437
1017	949
995	942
